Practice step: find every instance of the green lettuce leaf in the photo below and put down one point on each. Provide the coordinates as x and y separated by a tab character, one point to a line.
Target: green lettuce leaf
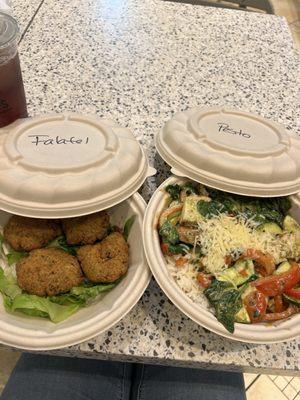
43	307
128	226
81	294
61	243
14	256
56	308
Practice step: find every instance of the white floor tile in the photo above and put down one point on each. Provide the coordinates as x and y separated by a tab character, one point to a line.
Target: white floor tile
264	389
288	378
272	377
296	383
297	397
280	382
290	392
249	378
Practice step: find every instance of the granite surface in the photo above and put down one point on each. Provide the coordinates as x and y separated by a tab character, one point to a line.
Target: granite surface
138	62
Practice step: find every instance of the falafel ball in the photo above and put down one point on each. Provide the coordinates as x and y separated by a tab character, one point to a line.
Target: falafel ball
106	261
87	229
26	234
48	272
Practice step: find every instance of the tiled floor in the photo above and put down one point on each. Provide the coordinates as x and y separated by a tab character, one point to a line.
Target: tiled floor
259	387
272	387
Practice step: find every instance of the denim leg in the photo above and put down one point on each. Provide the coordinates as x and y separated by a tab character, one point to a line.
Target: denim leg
58	378
171	383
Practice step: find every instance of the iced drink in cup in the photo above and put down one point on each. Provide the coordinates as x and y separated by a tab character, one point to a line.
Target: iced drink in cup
12	95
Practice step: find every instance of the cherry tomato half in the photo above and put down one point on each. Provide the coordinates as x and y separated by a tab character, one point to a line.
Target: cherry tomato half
256	305
277	284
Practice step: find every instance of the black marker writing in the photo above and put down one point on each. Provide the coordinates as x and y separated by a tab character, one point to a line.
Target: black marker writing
46	140
224	127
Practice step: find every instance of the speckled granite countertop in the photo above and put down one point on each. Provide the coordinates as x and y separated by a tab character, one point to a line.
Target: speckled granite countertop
138	62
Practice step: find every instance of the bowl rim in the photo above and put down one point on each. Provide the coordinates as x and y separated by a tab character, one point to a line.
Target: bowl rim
34	339
252	333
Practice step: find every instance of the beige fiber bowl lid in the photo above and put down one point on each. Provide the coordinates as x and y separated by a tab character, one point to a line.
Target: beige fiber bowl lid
232	151
67	165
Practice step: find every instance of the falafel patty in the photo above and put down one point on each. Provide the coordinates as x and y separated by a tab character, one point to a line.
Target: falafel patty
106	261
25	234
87	229
48	272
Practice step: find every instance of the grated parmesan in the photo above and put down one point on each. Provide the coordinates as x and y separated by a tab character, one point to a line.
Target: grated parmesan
224	235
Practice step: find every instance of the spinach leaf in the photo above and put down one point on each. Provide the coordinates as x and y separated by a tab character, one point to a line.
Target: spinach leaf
178	248
61	243
174	191
190	188
169	233
210	209
226	300
128	226
260	210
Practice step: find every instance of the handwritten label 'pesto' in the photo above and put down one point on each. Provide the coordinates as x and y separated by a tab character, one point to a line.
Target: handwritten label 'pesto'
46	140
225	128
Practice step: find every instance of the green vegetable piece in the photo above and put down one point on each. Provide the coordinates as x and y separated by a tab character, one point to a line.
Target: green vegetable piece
270	227
61	243
14	256
169	233
178	248
56	308
238	274
242	316
189	188
42	307
81	294
290	224
291	300
128	226
174	191
283	267
226	301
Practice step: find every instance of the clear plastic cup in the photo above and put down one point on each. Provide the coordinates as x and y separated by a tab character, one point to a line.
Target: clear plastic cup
12	94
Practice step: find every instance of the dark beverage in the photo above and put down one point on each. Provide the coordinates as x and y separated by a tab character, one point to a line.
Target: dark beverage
12	95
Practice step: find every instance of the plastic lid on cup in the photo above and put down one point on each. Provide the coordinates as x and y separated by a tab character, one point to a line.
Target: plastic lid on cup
233	151
9	29
68	165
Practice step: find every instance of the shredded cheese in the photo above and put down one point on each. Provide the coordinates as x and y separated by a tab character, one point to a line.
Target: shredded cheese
224	235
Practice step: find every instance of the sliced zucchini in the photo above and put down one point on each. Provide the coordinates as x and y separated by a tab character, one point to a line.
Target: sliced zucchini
247	289
190	214
283	267
270	227
292	300
291	225
242	316
240	273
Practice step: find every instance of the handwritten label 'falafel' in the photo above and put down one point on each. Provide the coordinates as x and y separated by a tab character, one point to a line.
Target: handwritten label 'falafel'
46	140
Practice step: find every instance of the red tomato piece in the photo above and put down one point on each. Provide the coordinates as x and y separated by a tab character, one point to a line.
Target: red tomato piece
277	284
204	279
278	303
294	292
256	305
282	315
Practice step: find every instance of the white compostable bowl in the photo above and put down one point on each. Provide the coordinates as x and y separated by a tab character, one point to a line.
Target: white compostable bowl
33	333
253	333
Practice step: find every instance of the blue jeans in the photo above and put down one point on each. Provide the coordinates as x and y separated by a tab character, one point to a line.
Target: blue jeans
57	378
